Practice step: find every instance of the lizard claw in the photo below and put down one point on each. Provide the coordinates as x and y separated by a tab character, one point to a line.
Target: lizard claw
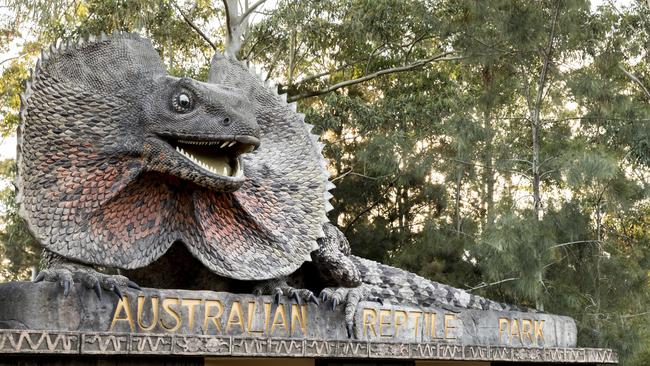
313	299
294	294
65	283
117	291
324	296
277	295
98	290
40	277
350	329
134	285
350	298
67	275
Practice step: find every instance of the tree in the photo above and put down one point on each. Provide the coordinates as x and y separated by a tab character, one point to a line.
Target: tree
498	146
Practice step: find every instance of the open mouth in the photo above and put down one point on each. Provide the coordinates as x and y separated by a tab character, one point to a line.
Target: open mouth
218	156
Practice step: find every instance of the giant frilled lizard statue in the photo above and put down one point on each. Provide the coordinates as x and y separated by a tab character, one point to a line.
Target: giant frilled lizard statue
184	184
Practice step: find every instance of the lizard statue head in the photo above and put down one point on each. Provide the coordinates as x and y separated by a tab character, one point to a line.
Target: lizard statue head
117	161
197	131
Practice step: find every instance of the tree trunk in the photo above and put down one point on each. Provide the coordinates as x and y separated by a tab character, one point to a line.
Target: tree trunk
292	58
488	164
459	179
535	132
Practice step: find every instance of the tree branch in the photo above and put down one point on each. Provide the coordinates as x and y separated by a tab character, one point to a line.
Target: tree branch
492	284
636	80
392	70
375	204
250	10
11	58
573	242
193	26
351	172
228	22
325	73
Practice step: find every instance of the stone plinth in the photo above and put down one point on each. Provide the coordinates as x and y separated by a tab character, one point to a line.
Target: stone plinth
37	318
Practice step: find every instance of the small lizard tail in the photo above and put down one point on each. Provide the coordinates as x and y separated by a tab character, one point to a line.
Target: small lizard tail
401	287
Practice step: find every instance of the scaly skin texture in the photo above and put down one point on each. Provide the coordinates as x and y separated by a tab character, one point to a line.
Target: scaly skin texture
105	179
100	181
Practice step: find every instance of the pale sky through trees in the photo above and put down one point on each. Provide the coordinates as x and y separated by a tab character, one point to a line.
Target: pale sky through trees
8	143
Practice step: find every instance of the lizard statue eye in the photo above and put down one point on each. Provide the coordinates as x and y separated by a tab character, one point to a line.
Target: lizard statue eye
182	102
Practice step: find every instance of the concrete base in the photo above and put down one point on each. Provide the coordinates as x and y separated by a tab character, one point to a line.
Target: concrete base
38	319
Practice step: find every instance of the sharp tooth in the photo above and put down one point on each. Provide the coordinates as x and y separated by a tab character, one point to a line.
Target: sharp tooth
224	144
232	143
238	170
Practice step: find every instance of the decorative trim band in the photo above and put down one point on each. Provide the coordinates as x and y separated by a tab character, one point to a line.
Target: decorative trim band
88	343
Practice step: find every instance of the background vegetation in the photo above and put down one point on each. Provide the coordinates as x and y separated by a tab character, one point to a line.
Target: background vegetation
498	146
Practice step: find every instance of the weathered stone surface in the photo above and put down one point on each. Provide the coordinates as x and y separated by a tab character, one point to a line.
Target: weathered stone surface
42	306
39	342
38	318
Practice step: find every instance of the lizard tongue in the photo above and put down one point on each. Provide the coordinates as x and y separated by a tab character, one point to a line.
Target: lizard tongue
217	163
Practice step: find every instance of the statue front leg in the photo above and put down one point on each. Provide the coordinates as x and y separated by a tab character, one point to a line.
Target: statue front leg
279	287
55	268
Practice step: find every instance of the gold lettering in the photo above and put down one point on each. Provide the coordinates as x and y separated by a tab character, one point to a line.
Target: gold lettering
235	310
252	305
417	316
267	316
527	330
433	325
216	319
166	304
515	331
280	312
448	319
154	316
502	322
123	305
539	330
369	318
190	303
382	315
299	315
399	314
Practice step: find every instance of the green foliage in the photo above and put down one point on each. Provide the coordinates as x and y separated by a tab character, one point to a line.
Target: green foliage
434	166
19	252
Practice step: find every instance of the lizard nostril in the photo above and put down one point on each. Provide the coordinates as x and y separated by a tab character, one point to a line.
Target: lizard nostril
226	121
